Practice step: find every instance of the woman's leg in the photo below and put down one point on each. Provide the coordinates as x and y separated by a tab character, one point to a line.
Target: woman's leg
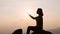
30	28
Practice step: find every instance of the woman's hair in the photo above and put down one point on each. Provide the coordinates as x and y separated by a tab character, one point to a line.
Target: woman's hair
39	11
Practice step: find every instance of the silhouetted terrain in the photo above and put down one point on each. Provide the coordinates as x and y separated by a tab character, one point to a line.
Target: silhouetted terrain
55	31
18	31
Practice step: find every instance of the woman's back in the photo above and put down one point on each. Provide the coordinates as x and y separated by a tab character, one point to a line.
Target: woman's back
39	21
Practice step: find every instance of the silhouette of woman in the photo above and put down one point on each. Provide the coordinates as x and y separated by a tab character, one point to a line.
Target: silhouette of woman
39	21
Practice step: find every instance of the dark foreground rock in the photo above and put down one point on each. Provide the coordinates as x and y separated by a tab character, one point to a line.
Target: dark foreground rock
42	32
18	31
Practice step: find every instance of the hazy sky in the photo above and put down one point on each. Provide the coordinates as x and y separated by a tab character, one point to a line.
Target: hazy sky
14	14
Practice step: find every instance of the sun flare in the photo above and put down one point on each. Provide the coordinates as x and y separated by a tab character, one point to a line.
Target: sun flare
29	11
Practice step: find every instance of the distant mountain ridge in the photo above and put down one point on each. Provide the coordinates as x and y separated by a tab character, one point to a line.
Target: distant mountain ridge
55	31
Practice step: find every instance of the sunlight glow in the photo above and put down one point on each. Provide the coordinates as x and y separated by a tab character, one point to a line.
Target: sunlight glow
29	11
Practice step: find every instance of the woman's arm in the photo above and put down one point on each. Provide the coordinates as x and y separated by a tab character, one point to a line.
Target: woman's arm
31	16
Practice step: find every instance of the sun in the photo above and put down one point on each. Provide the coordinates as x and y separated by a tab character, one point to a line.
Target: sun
28	11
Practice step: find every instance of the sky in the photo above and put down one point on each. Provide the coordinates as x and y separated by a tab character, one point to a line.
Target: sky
14	14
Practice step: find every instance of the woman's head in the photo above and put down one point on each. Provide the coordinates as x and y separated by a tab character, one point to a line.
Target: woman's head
39	11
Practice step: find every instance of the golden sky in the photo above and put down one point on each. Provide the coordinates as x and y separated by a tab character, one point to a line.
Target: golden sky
14	14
